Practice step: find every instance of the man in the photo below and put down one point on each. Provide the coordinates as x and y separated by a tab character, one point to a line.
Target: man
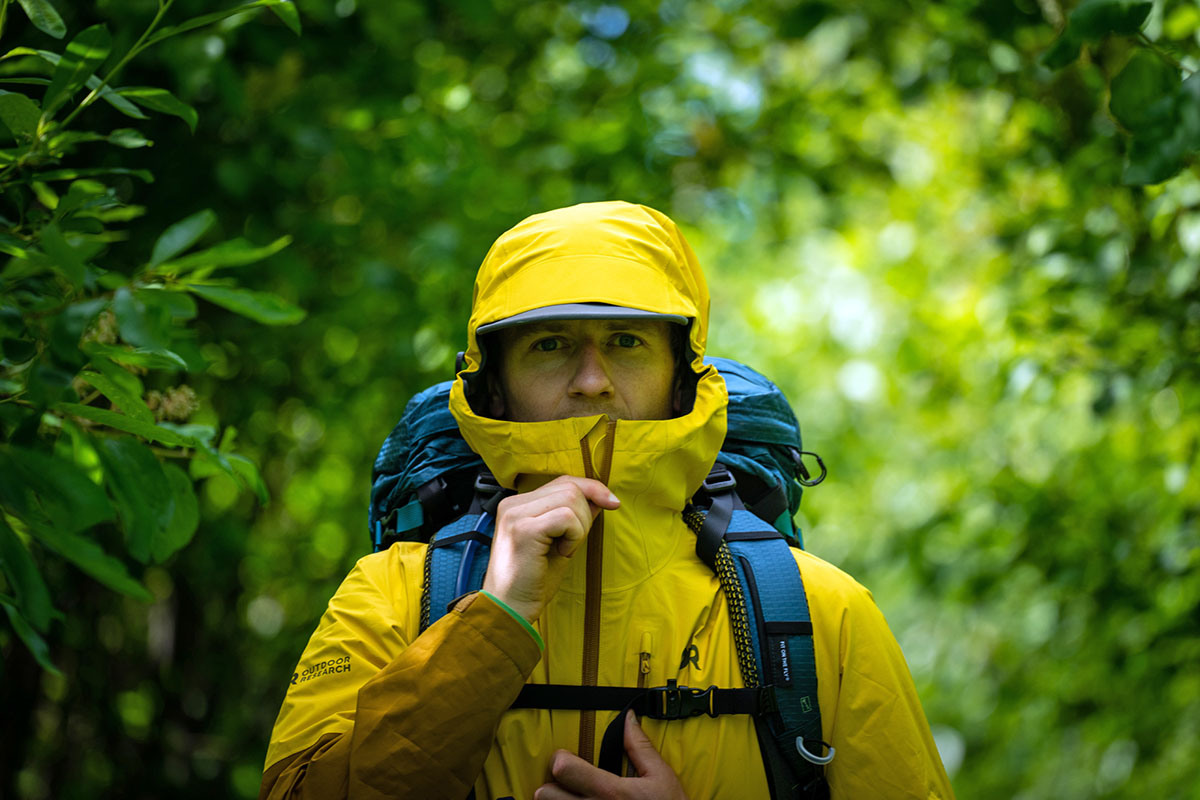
585	391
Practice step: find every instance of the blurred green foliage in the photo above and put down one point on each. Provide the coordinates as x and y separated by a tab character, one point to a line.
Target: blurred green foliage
943	250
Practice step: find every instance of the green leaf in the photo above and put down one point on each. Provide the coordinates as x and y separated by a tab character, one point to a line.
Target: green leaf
44	17
234	253
129	383
161	100
141	325
175	304
91	558
64	493
121	422
1092	20
18	351
201	436
110	96
142	493
24	51
248	473
11	245
64	258
288	14
1140	89
1152	159
185	515
22	574
69	326
123	137
216	16
1187	112
137	357
35	643
210	461
84	55
83	194
262	307
182	235
129	404
19	114
128	138
1063	52
89	172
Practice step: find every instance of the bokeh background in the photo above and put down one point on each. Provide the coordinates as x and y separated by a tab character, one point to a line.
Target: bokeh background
910	224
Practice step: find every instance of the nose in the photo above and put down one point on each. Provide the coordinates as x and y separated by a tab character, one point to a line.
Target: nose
591	378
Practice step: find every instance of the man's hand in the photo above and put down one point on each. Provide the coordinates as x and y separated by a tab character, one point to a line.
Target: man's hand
576	779
536	532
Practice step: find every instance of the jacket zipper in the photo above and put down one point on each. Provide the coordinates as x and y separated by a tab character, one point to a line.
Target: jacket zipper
592	596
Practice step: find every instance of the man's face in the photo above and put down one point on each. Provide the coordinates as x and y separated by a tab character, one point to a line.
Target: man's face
579	368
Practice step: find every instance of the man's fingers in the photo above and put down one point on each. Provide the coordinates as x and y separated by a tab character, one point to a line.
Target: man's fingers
578	776
645	759
552	791
566	524
582	493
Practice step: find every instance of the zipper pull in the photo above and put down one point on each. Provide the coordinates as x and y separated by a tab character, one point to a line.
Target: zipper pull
643	677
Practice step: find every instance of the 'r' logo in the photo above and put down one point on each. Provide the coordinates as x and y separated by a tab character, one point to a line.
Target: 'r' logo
295	676
691	654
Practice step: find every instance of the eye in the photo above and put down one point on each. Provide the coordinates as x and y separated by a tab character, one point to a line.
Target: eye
547	345
627	340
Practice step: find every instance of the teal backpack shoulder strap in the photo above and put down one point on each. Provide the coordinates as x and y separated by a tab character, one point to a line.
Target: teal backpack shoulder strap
769	609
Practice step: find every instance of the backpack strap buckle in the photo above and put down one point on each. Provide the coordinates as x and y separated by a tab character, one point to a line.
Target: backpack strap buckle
719	480
677	702
489	492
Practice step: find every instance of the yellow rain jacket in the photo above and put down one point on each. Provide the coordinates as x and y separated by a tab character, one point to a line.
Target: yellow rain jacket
376	709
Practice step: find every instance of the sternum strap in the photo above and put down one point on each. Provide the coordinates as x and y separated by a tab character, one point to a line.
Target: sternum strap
664	702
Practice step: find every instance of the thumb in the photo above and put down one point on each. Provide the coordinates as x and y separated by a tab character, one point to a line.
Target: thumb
645	759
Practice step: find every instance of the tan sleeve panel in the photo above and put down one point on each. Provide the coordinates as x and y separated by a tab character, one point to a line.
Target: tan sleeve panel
424	724
319	771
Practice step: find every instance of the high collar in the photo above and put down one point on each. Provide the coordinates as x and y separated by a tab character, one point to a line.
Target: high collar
654	467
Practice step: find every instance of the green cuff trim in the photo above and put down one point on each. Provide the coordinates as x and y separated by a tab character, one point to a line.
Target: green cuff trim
524	622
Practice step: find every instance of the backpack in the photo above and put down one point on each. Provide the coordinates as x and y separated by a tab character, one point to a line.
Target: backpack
429	486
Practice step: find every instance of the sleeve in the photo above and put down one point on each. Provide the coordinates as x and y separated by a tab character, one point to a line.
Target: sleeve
370	715
884	748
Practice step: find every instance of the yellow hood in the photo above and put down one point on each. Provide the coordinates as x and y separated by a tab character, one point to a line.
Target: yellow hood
626	255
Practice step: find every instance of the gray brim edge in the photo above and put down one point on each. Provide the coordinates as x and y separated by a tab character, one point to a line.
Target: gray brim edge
578	311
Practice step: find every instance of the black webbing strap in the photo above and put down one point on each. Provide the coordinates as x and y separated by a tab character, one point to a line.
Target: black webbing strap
468	536
661	702
721	487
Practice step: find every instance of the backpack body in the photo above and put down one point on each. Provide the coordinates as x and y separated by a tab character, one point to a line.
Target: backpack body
428	486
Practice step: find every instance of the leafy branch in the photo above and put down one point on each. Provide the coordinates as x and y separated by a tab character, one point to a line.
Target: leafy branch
76	329
1154	97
